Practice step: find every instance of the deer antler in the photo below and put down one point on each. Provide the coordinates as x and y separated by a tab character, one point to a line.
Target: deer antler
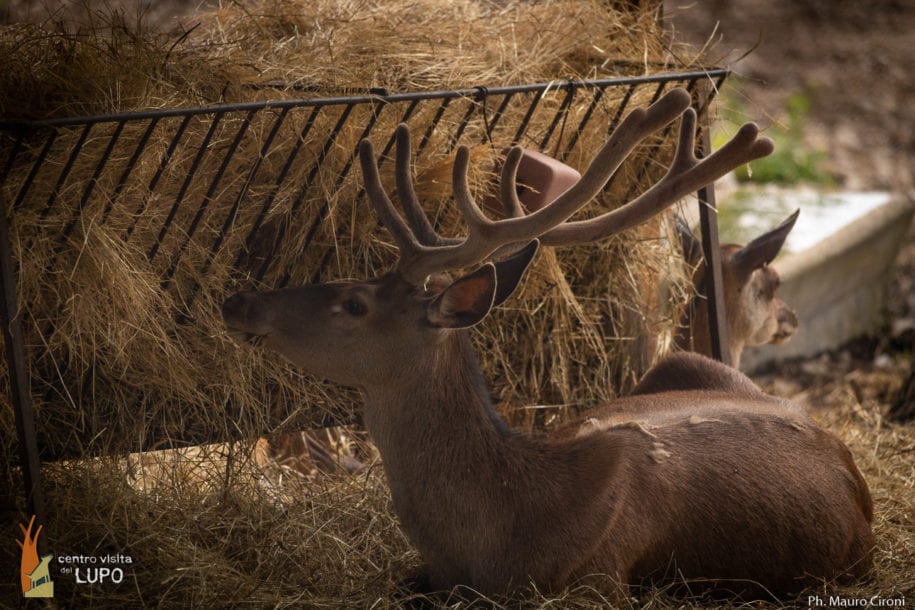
423	251
416	217
686	175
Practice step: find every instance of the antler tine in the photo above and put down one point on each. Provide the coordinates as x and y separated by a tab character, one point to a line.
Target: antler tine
508	184
486	237
686	175
416	217
407	243
634	127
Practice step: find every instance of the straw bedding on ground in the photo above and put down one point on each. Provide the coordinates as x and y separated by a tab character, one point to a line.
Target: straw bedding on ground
122	318
335	542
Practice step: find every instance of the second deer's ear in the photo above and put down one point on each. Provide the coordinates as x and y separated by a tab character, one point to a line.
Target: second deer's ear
466	301
762	250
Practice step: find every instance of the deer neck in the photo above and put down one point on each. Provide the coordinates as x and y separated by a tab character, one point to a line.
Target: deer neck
462	482
437	410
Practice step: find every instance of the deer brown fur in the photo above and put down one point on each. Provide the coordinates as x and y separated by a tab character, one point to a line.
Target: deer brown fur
708	480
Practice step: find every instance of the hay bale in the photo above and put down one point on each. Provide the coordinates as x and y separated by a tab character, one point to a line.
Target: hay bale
122	278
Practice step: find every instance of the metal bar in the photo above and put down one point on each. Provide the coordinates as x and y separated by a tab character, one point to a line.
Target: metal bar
300	198
559	115
11	160
658	91
500	112
36	165
66	171
163	163
620	110
90	186
432	126
711	93
525	121
187	181
714	286
614	123
122	181
465	119
339	183
409	112
233	212
20	386
652	153
280	179
207	198
595	100
331	101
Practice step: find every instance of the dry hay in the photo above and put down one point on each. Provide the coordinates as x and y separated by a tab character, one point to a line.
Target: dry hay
108	59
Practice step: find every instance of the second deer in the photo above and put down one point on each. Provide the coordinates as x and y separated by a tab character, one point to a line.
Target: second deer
713	481
755	314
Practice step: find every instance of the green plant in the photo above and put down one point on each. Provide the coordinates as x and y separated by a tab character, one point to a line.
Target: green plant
793	162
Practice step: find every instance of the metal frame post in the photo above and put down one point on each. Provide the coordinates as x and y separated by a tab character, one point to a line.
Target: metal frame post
20	387
708	222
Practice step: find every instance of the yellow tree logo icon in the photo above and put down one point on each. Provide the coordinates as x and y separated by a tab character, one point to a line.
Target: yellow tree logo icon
34	572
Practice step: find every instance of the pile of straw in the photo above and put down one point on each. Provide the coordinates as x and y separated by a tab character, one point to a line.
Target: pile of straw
104	61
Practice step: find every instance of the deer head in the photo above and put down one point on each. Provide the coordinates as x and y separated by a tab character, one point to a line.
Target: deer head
494	509
756	316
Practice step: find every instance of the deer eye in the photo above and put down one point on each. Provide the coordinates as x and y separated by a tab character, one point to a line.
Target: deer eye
354	307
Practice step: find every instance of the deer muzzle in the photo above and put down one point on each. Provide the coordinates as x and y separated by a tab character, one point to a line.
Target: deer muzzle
246	317
787	324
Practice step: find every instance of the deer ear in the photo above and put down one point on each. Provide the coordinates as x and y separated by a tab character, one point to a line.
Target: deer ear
692	248
509	271
762	250
466	301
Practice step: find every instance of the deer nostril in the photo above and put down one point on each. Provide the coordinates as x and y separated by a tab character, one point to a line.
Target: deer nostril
787	316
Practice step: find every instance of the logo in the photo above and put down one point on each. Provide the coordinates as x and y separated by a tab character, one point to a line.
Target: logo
34	572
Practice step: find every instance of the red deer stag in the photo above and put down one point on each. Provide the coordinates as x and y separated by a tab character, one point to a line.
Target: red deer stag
728	484
756	316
